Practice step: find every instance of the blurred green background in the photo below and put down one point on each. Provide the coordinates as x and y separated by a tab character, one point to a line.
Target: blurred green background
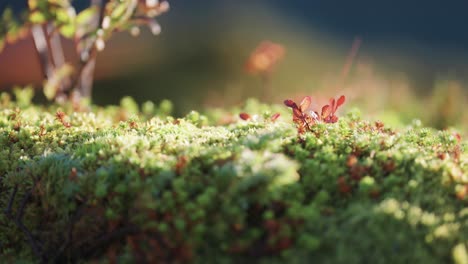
412	62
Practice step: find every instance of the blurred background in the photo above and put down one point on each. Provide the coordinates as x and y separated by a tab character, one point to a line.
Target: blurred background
412	62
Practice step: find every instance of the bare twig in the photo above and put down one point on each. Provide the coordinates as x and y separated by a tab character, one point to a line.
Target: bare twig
349	60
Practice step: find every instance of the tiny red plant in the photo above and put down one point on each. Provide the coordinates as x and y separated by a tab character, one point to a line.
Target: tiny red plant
73	174
60	116
275	116
181	164
457	136
343	186
17	125
351	161
462	192
328	111
305	120
244	116
42	130
379	125
133	124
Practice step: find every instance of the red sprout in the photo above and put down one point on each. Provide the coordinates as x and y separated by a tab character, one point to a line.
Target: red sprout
275	116
60	116
305	120
245	116
328	111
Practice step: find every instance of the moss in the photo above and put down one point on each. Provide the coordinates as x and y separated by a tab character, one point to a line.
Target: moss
120	184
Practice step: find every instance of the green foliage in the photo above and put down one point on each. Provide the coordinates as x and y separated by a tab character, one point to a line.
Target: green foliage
23	95
133	184
10	28
46	20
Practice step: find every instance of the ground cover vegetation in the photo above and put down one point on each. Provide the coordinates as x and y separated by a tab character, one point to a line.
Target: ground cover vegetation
130	183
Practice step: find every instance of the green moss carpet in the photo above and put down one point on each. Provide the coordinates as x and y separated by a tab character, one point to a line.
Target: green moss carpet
131	184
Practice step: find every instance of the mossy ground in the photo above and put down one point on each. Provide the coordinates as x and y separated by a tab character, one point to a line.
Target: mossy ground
140	186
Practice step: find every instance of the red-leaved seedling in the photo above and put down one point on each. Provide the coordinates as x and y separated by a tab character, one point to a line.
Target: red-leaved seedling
328	111
245	116
60	116
275	116
305	120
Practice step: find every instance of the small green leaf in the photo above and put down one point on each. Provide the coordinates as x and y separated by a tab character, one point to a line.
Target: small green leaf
119	11
37	18
68	30
24	95
85	16
52	85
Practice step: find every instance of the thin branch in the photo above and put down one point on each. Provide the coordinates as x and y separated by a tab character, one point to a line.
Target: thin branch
11	200
349	60
19	223
87	77
31	240
20	213
69	233
58	55
88	55
102	8
40	43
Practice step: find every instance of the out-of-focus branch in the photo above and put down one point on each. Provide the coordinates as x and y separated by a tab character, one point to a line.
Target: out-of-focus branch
91	31
88	54
58	56
40	43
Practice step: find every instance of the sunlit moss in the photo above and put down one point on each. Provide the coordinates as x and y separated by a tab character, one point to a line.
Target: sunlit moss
147	186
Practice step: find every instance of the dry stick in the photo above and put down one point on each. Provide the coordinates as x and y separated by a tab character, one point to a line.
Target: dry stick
349	60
